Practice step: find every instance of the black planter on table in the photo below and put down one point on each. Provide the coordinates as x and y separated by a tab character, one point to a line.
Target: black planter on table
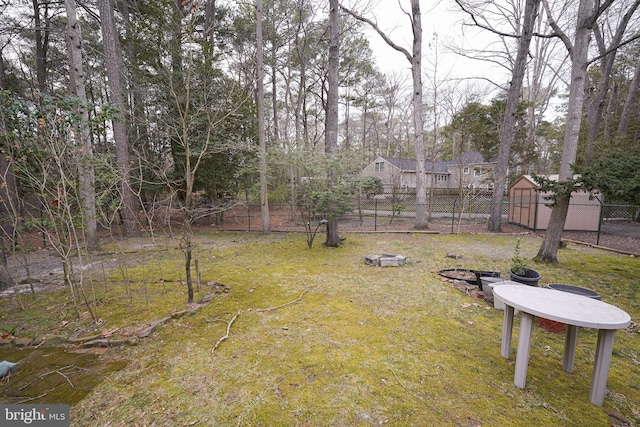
530	277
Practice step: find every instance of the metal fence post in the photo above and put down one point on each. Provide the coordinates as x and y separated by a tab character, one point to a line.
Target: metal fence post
453	214
375	215
600	219
535	212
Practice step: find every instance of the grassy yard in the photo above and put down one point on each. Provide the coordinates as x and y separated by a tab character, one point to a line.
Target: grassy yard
321	339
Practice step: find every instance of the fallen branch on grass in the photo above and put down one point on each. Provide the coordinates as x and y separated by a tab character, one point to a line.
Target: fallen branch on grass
57	371
398	379
404	386
261	310
154	325
29	399
229	323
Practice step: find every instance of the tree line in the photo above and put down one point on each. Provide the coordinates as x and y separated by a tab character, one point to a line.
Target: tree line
111	108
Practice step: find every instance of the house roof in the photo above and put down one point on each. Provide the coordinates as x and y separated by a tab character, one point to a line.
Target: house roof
468	158
409	165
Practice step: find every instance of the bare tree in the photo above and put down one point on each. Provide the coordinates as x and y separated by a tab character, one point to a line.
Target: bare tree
138	133
630	102
42	16
544	72
85	150
607	60
578	52
331	123
203	104
264	195
51	174
509	118
115	67
415	59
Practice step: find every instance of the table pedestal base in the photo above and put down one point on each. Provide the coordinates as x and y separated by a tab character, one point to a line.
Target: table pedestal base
602	360
601	367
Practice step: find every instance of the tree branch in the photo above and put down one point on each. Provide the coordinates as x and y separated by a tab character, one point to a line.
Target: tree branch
488	80
604	6
226	336
614	48
597	34
483	26
57	371
616	42
556	29
373	25
262	310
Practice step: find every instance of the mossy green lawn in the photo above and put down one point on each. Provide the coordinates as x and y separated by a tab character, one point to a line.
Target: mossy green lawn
358	345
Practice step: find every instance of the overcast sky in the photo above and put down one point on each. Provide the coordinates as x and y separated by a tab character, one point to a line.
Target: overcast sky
442	18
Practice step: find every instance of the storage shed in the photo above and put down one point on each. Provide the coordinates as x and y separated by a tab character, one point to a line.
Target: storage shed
528	207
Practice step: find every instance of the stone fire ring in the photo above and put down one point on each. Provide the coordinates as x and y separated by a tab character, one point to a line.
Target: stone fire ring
385	260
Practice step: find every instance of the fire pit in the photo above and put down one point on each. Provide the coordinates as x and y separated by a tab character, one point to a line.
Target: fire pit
459	274
470	276
385	260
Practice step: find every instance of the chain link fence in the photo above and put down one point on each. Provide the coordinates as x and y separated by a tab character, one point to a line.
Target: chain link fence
610	225
615	226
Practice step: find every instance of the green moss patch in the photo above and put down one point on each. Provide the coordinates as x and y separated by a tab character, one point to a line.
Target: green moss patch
322	339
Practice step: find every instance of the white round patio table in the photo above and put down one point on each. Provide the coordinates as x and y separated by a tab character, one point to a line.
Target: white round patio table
572	309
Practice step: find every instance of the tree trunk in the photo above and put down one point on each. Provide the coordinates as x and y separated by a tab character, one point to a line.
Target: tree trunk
630	102
548	251
139	133
596	107
210	24
435	127
331	123
85	150
274	87
115	67
42	30
188	253
415	58
262	143
418	119
9	202
5	278
1	70
509	119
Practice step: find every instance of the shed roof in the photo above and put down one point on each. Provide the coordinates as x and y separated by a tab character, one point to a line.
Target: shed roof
529	179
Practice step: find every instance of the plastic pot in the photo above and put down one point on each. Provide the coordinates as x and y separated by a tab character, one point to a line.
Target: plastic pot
530	277
482	273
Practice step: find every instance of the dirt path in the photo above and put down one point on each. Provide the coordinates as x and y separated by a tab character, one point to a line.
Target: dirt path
43	269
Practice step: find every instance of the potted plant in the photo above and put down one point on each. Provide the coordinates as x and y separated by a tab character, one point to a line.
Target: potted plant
519	271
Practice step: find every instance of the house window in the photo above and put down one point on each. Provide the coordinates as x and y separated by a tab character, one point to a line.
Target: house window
441	178
465	170
379	167
477	172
